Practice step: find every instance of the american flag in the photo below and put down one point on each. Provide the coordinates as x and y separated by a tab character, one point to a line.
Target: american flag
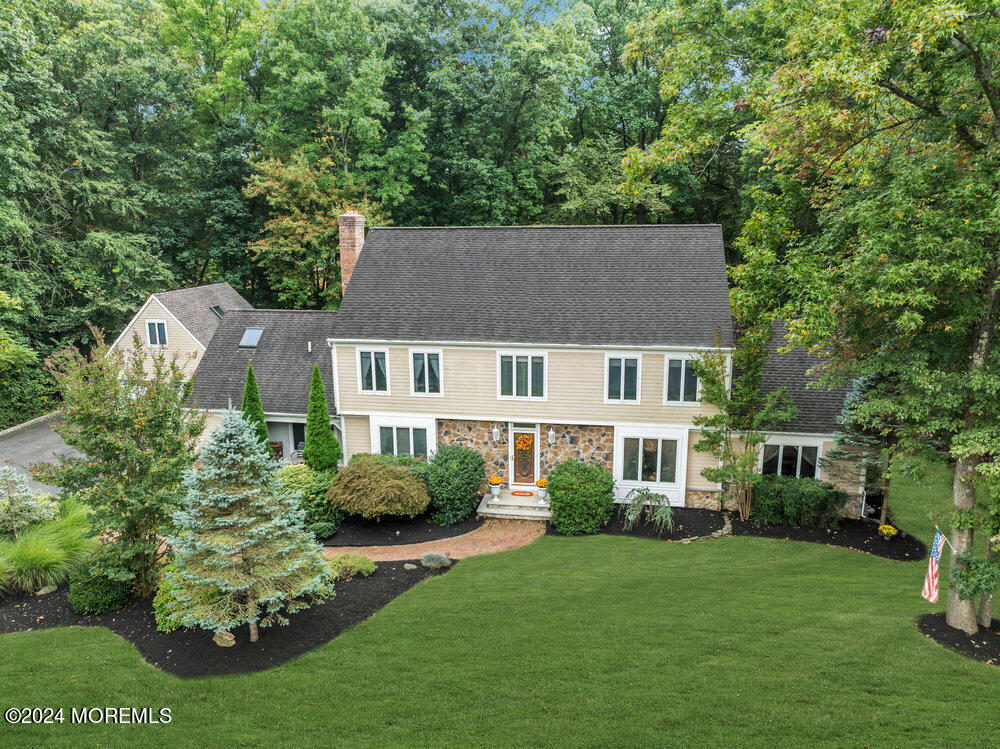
930	591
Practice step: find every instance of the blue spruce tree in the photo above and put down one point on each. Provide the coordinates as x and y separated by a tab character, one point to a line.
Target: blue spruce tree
241	554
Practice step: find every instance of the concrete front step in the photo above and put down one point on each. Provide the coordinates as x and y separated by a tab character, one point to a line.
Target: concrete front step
512	514
513	508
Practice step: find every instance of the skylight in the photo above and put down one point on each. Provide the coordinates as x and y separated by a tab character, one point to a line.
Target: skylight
251	337
218	310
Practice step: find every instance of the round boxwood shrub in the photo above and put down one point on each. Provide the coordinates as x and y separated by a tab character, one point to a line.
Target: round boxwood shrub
96	594
581	497
371	490
797	502
454	477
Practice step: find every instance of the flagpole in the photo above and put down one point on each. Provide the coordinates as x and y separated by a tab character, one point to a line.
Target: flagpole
945	537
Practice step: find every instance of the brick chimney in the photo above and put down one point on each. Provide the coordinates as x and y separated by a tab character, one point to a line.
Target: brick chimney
352	238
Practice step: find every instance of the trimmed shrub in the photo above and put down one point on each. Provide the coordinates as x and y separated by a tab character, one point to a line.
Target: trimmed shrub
415	465
312	487
322	451
434	561
322	530
371	490
346	566
96	594
454	477
797	502
581	497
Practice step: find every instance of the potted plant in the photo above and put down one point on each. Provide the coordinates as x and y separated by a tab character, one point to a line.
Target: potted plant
543	488
887	532
495	483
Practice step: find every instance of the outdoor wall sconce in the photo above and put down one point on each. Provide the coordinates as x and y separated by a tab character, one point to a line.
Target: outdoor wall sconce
496	434
552	435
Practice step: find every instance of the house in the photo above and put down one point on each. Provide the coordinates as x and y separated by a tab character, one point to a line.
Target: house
181	322
528	344
534	344
283	346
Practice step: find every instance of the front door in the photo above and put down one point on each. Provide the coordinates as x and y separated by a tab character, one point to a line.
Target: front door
525	446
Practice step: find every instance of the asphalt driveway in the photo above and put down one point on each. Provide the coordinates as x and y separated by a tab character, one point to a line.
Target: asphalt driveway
33	444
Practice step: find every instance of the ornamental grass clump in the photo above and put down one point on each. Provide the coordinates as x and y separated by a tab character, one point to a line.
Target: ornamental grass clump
346	566
241	552
432	560
373	490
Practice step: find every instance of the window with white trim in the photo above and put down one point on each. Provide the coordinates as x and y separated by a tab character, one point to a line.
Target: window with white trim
801	461
373	371
425	372
402	440
521	375
622	376
156	332
649	460
680	381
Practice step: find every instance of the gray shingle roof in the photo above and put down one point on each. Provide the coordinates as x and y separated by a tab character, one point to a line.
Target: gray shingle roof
193	307
586	285
818	407
282	361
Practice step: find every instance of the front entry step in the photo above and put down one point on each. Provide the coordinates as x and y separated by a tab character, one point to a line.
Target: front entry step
514	508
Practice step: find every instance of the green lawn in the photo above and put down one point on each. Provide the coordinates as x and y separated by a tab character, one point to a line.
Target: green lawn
589	641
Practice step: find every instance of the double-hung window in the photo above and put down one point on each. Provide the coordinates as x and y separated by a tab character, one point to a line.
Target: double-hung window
156	332
373	371
521	375
798	460
402	440
623	376
681	383
425	372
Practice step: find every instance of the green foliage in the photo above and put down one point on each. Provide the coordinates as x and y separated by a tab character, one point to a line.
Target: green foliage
19	506
124	412
97	594
975	577
372	489
45	554
643	504
797	502
432	560
252	408
311	487
454	478
166	608
321	531
322	451
417	465
345	566
241	553
581	497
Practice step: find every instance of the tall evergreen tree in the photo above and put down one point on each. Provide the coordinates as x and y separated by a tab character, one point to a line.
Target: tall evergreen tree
322	451
241	554
253	409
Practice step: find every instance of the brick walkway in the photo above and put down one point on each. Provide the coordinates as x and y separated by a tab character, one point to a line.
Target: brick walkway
492	536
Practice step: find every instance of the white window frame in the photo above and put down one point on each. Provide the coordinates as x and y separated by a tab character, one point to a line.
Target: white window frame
388	370
406	421
413	384
608	356
545	374
781	440
685	358
157	322
675	491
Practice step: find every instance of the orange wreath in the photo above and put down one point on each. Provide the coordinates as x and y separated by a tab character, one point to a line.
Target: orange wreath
524	441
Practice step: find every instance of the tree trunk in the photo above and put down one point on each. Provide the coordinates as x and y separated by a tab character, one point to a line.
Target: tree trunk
253	631
986	599
961	612
885	490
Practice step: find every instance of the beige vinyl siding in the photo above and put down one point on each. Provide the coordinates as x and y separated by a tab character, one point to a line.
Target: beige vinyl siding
574	389
357	436
179	341
696	461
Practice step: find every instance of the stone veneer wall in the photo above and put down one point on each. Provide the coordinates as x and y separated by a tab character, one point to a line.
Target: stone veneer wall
708	499
478	435
591	444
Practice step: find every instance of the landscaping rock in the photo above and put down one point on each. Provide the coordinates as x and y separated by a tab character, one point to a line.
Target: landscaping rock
409	566
224	639
46	590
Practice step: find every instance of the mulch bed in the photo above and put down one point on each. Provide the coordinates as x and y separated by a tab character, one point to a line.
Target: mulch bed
984	646
191	652
389	531
860	535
